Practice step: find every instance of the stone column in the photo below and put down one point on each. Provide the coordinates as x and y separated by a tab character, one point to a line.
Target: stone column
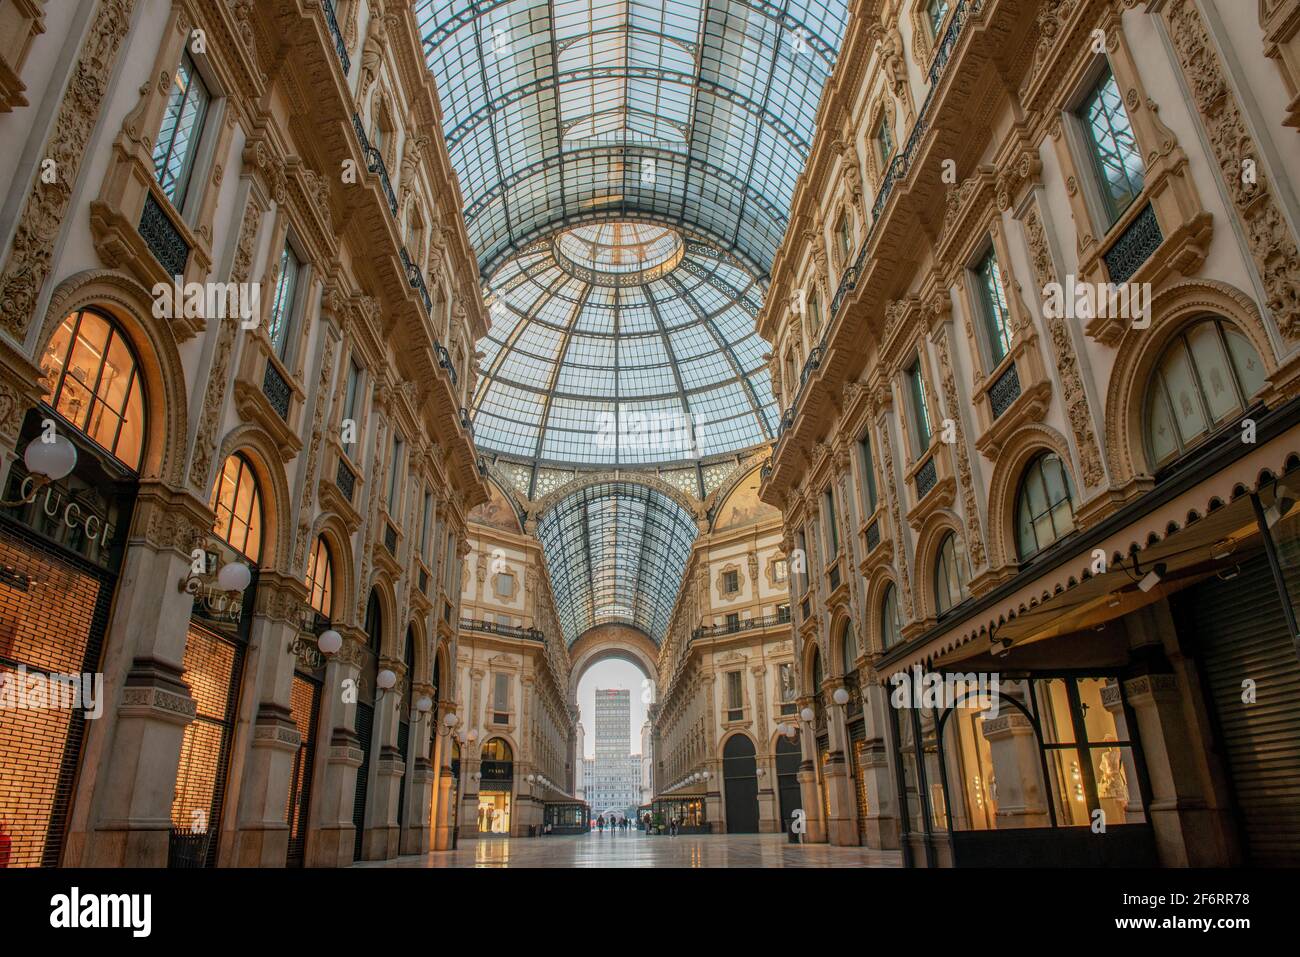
809	788
421	776
1189	833
125	795
882	829
1018	771
330	840
444	810
842	828
261	834
380	841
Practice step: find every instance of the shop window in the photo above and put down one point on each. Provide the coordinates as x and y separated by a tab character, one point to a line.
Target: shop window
890	626
238	507
282	309
918	408
497	750
1116	159
320	578
1044	505
993	307
950	576
94	384
182	129
1204	380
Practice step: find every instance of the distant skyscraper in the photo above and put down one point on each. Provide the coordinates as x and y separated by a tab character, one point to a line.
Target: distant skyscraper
616	775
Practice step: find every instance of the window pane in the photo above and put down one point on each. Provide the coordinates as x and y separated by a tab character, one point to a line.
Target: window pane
997	316
1250	371
1213	371
1160	428
182	126
1114	150
1180	383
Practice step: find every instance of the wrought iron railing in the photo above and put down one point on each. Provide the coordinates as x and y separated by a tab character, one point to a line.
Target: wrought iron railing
1004	391
163	238
927	476
749	624
346	480
416	278
898	169
340	47
444	360
276	389
465	422
493	628
1140	239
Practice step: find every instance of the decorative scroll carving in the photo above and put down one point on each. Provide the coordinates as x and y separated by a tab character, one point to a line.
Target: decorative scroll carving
47	204
891	488
1067	362
974	536
214	398
313	456
1271	241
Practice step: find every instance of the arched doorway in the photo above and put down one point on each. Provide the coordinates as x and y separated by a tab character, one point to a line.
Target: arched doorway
787	779
497	769
740	783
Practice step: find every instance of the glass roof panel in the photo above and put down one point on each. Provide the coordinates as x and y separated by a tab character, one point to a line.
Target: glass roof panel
597	355
610	549
694	113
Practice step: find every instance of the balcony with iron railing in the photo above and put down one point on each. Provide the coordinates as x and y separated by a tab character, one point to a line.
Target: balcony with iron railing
897	175
509	631
736	627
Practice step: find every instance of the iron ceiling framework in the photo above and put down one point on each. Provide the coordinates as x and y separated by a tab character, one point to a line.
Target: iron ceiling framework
695	113
610	549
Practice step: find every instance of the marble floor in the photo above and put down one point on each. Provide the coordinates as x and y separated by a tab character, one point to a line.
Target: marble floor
638	850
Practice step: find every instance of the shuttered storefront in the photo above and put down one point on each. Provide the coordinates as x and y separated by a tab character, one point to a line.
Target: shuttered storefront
53	616
1243	637
304	707
365	725
857	754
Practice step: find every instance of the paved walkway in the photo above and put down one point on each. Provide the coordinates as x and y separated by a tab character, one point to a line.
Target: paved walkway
638	850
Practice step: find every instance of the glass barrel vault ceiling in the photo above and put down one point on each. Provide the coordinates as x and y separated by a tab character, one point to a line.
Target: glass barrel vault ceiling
611	551
696	115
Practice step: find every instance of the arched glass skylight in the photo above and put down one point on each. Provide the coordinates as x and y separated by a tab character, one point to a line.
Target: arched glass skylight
611	551
622	344
693	113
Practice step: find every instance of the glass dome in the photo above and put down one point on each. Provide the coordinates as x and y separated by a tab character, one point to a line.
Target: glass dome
622	343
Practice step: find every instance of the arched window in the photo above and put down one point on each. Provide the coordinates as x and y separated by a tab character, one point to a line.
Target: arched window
890	625
320	578
1044	505
816	672
1205	378
497	749
375	622
950	575
94	383
848	647
238	505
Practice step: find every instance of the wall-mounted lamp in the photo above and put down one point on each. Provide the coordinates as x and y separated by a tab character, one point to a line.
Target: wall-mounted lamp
808	715
385	680
46	462
329	642
423	705
1153	578
840	696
